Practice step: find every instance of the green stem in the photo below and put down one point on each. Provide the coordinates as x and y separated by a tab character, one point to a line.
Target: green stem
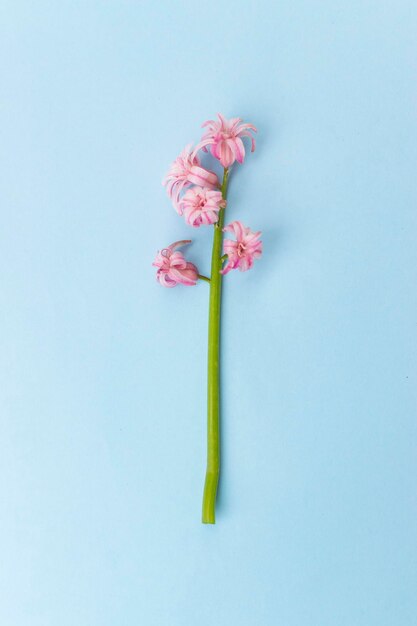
213	379
202	277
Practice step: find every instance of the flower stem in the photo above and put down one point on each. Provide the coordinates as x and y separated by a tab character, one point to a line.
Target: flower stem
202	277
213	379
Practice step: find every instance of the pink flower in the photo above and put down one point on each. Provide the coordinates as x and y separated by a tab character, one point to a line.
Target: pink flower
242	252
173	268
201	206
224	137
185	171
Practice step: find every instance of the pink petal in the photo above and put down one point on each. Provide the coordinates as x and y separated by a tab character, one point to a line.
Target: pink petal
222	119
245	127
253	143
202	145
202	177
240	150
225	154
164	280
178	244
186	276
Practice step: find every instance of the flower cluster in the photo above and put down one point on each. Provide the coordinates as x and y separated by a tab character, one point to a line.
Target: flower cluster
186	171
197	196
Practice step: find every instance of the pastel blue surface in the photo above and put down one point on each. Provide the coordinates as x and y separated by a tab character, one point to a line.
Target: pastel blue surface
102	379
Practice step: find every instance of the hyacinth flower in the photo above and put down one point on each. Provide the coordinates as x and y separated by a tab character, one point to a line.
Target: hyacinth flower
225	139
242	252
197	196
201	206
173	269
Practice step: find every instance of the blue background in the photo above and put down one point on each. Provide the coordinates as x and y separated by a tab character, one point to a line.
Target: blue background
103	372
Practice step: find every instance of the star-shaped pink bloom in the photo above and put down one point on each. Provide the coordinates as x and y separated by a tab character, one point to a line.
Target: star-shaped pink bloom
242	252
225	139
186	171
173	269
201	206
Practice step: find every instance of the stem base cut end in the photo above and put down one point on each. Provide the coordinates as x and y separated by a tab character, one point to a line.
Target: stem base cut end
209	500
